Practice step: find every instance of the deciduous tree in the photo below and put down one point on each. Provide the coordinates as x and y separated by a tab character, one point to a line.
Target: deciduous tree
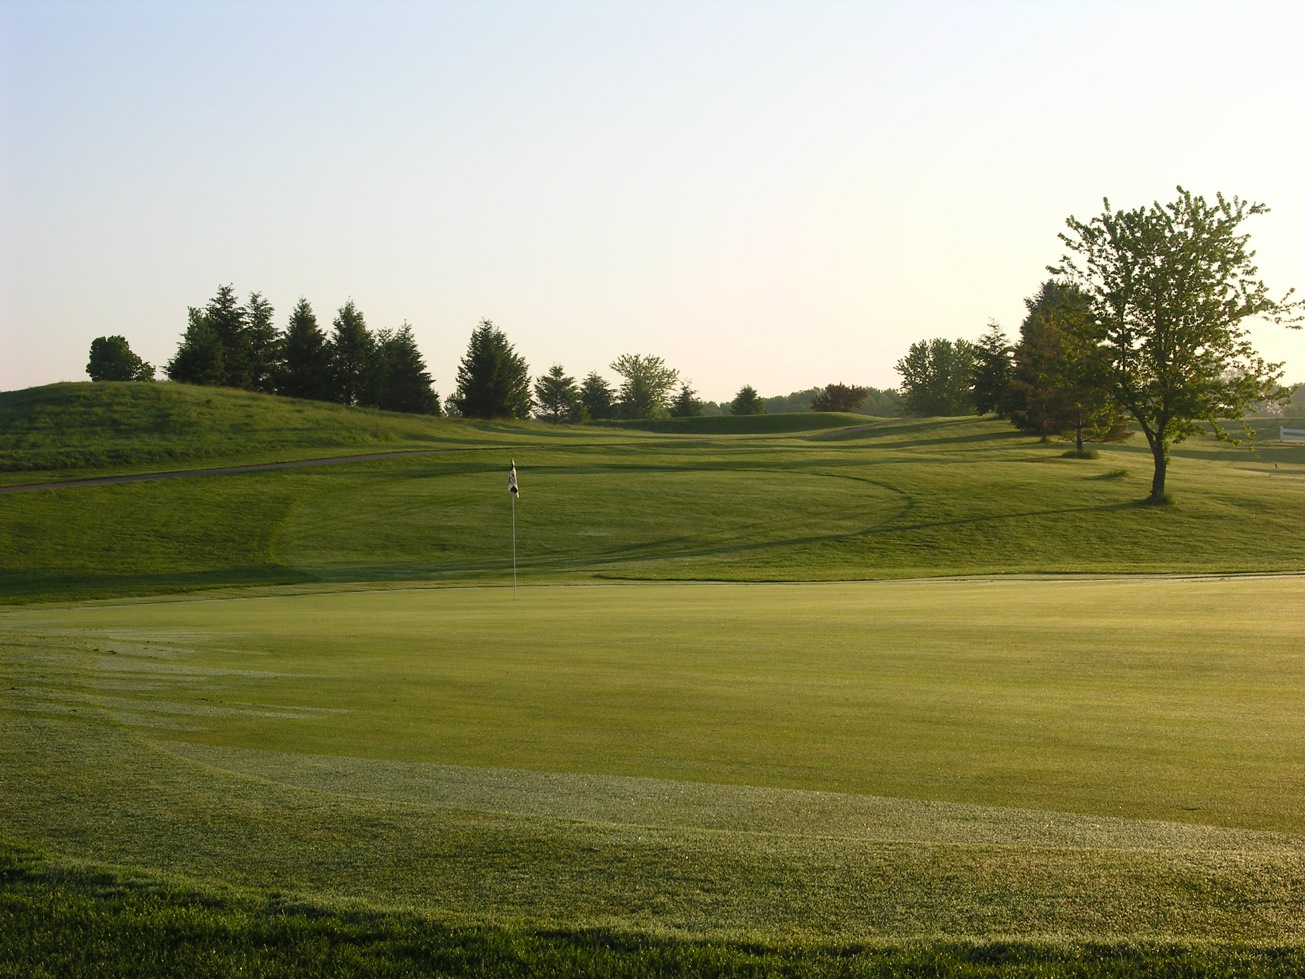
937	378
839	397
1170	287
646	386
111	359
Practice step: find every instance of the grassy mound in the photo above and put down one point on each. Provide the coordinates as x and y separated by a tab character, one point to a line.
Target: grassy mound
71	428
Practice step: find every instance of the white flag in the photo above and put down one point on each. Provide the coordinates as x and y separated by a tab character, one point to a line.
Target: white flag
512	480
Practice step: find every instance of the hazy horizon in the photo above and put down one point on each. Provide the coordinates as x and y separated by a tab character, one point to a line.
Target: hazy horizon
765	194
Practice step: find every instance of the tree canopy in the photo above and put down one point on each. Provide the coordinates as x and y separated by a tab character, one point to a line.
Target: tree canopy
111	359
937	378
1169	287
646	386
839	397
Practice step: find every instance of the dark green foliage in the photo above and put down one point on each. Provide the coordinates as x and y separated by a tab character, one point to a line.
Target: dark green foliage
1169	287
747	402
352	351
646	386
839	397
1049	392
878	402
304	371
687	404
112	360
264	344
229	322
493	379
403	383
992	372
557	396
597	399
200	359
937	378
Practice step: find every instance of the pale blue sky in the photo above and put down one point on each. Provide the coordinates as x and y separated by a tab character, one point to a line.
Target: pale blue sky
775	194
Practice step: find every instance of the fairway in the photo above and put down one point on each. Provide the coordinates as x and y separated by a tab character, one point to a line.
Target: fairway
1036	758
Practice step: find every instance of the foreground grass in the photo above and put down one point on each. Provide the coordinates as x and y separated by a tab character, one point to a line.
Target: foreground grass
792	766
65	920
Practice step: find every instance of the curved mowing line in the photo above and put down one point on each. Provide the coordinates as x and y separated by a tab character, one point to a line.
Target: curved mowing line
736	809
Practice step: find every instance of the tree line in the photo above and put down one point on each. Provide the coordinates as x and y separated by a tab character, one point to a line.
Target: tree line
232	344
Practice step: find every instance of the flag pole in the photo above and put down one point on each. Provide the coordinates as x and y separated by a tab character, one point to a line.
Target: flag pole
514	492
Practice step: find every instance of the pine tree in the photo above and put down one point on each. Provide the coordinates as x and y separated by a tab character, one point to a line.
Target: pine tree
404	384
493	380
352	358
304	370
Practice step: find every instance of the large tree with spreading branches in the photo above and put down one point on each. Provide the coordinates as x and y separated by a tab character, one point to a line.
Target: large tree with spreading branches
1170	289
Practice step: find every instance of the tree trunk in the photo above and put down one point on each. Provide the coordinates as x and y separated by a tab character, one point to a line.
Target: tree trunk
1161	457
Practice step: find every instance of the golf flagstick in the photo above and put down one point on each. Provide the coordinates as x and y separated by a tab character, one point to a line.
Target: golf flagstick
512	489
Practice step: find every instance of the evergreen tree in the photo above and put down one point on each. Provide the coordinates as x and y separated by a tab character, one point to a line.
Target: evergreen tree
226	318
493	380
992	372
557	396
1048	393
687	404
199	356
597	399
304	370
264	343
404	383
747	402
352	352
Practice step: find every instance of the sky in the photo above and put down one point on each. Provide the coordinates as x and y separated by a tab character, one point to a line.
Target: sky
775	194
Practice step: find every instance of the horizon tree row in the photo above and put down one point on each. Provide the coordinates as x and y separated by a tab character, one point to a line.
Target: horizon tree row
234	345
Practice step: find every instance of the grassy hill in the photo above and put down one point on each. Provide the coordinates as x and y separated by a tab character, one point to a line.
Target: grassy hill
776	498
733	723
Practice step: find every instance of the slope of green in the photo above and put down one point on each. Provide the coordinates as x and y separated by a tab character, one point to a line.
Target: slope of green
902	498
84	428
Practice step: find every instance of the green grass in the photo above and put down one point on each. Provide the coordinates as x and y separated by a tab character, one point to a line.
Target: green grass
720	729
72	429
903	498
